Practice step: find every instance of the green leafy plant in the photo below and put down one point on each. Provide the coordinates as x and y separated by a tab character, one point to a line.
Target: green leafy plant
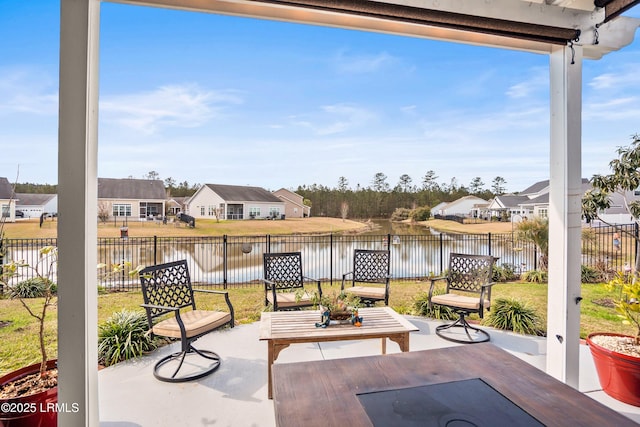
337	301
124	336
35	287
513	315
589	274
421	306
536	231
503	273
535	276
628	302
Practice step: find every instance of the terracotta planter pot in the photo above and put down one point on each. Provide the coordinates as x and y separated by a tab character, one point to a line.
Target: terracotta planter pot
619	374
29	411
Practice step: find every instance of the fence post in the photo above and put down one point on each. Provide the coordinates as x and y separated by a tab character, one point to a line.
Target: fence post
637	235
441	254
224	261
489	243
155	250
331	259
268	238
535	257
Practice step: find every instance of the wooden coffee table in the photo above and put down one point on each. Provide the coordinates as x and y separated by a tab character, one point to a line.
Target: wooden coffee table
282	328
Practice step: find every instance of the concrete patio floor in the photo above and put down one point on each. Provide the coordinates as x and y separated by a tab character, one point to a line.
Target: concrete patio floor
236	394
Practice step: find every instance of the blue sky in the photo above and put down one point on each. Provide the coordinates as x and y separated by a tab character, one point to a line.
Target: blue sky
215	99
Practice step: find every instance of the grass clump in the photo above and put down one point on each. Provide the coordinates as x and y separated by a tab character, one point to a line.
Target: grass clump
35	287
512	315
124	336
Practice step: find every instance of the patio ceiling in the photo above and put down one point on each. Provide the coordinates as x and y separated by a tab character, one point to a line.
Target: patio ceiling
516	24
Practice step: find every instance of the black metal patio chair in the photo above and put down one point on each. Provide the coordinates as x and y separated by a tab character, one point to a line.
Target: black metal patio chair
369	267
284	282
169	298
468	291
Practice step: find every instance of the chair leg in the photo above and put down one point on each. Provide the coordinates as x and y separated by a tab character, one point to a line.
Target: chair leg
461	322
179	358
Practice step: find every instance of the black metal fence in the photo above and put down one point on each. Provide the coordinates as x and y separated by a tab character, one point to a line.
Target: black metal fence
237	260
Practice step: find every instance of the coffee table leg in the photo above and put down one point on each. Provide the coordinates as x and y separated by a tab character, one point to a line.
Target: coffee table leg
272	355
384	346
402	340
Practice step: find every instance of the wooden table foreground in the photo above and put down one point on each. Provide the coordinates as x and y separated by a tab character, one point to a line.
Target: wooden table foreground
283	328
331	392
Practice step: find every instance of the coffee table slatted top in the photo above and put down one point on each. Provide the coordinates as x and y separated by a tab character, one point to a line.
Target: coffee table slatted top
299	326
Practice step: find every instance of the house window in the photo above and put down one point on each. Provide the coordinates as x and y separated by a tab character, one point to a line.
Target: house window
121	209
201	210
254	212
274	211
212	211
543	213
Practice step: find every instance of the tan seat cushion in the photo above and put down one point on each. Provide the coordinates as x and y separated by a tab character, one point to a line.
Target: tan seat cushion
455	300
196	322
366	292
288	299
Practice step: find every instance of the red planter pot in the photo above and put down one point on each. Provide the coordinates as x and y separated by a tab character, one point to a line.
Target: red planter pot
619	374
36	410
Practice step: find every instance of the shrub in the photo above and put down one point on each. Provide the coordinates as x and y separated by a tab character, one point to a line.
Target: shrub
589	274
535	276
421	214
400	214
124	336
31	288
512	315
503	273
421	306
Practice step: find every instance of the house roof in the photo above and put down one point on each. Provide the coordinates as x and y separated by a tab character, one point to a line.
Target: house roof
241	193
33	199
511	201
5	188
110	188
539	186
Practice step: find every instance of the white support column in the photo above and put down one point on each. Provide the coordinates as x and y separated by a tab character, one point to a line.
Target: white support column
563	307
77	225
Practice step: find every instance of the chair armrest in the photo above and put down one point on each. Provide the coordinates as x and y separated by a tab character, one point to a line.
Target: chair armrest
488	285
176	310
226	299
344	277
159	307
311	279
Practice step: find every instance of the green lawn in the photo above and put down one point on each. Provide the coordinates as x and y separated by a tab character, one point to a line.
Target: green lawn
18	331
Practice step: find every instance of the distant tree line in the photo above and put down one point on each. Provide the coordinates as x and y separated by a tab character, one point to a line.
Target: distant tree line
380	200
377	200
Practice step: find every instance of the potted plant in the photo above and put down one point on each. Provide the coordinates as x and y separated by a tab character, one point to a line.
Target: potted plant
28	395
617	356
338	307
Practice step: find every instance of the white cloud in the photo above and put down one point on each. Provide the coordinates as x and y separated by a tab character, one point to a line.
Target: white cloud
618	80
336	119
360	64
26	90
538	81
185	106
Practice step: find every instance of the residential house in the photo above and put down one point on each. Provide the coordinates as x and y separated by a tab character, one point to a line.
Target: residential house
234	202
177	205
534	202
294	206
131	199
34	205
7	200
468	206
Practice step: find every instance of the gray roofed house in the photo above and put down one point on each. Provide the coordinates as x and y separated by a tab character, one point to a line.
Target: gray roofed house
131	198
7	202
218	201
34	204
